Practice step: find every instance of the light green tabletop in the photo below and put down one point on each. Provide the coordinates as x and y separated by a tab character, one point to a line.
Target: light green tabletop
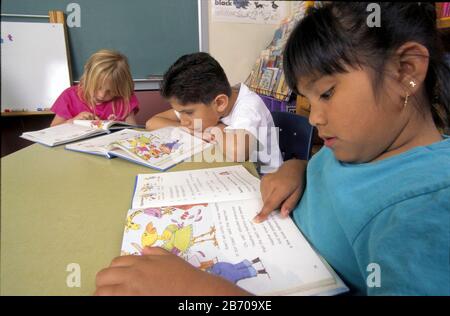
60	207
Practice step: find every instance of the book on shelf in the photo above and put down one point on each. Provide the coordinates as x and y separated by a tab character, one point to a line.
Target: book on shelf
267	76
160	149
272	58
266	79
443	10
205	217
275	79
282	86
70	132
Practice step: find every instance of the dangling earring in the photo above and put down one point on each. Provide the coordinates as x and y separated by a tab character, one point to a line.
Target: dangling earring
412	84
406	100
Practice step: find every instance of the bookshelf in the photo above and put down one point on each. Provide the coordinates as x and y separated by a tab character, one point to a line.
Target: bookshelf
267	76
443	23
443	15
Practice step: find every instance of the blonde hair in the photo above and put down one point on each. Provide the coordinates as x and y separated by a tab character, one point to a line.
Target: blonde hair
102	66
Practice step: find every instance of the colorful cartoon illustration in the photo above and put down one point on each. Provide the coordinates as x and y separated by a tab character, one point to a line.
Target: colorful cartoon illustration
176	238
237	271
167	148
129	222
187	215
158	212
147	192
139	145
147	147
153	151
233	272
147	187
148	196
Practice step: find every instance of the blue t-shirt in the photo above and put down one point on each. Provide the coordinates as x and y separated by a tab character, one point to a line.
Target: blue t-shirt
394	213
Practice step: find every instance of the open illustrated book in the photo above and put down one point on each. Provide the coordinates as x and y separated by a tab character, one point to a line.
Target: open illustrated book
70	132
205	216
159	149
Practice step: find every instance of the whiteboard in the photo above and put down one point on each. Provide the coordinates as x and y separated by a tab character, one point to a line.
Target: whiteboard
34	65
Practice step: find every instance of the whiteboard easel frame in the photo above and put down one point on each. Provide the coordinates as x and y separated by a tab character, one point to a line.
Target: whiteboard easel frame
54	16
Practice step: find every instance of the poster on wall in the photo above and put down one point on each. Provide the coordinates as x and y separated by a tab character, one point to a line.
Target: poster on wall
248	11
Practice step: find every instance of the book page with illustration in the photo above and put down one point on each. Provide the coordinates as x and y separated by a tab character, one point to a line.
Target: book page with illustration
205	217
159	149
101	145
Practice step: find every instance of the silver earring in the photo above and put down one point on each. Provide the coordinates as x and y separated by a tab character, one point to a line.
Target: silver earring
406	100
412	83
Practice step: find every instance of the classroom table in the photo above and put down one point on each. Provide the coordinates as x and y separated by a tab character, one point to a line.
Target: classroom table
60	207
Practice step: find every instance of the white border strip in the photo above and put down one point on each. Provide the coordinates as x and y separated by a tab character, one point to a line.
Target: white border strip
25	16
203	31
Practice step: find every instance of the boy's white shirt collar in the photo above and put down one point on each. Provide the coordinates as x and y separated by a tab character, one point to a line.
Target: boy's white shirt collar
242	91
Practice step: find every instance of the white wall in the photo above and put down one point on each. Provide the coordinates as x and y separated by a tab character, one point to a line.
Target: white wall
236	46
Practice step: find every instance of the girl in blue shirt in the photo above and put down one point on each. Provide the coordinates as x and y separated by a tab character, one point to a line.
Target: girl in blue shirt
378	193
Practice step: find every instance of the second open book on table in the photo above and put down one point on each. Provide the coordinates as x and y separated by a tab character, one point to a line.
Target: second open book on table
159	149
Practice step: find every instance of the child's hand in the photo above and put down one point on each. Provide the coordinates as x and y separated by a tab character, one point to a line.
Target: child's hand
209	137
212	134
206	135
159	272
282	189
85	116
112	117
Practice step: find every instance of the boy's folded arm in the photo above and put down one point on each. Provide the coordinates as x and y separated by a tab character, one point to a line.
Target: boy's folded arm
236	144
243	143
163	119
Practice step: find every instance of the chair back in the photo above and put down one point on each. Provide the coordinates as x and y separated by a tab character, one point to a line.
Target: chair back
295	135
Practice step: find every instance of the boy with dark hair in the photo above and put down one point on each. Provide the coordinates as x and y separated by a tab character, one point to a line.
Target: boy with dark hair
202	100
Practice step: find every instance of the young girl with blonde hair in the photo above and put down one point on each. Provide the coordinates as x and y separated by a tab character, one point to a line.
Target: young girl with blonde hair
105	92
